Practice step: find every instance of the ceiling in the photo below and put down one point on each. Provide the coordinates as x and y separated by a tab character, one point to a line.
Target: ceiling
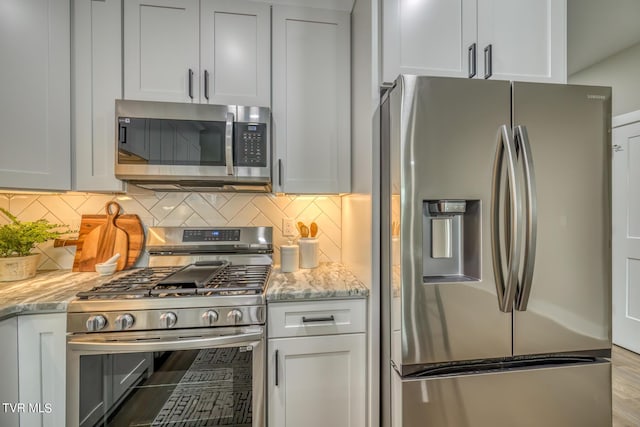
597	29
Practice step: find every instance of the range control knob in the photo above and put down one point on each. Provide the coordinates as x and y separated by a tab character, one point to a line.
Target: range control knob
96	322
168	319
234	316
124	321
210	317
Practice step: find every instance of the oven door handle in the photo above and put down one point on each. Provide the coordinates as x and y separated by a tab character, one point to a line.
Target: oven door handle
168	344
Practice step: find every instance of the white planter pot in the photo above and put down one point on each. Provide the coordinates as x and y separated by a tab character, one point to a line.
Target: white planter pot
18	268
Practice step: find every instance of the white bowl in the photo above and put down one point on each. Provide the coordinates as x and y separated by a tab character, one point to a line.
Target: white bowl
106	269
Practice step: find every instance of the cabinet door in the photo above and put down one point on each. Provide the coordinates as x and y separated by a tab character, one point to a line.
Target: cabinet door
435	37
528	40
311	100
97	83
9	369
317	381
35	150
161	50
235	53
42	368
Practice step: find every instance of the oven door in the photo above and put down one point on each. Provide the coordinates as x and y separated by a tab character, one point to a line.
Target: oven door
203	377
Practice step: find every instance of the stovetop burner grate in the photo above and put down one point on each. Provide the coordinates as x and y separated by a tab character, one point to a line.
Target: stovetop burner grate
239	279
151	283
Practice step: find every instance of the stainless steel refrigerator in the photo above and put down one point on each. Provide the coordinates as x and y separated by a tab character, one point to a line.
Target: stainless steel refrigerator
496	242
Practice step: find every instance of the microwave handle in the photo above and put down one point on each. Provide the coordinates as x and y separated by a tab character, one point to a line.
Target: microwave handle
228	144
122	134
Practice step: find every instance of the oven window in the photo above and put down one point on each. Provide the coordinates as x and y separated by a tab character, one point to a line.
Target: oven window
209	387
171	142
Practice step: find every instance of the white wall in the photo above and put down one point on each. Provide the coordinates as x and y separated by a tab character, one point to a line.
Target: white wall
620	71
360	245
357	217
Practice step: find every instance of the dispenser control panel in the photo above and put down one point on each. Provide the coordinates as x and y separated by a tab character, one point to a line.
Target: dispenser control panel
447	206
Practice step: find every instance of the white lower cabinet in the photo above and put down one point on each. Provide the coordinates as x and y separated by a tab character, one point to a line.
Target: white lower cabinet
318	377
9	369
42	369
33	366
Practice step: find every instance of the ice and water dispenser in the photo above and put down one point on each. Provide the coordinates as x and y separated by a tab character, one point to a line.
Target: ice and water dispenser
451	240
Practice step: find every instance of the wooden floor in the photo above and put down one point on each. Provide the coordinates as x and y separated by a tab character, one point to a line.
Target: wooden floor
626	388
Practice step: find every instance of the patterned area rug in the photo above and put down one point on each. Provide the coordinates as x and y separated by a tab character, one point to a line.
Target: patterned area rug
214	391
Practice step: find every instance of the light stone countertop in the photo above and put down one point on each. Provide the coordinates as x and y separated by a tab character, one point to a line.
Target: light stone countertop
51	291
47	292
328	280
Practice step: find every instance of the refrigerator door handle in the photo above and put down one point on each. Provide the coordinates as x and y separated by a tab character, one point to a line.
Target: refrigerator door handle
522	141
506	285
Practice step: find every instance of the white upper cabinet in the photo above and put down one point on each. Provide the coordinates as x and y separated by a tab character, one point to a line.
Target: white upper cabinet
311	100
521	40
161	50
35	116
434	37
208	51
97	83
527	39
235	53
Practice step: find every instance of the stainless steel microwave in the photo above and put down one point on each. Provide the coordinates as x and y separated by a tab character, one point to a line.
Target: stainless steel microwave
168	146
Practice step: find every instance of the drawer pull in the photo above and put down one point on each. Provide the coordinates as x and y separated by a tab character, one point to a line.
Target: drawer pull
318	319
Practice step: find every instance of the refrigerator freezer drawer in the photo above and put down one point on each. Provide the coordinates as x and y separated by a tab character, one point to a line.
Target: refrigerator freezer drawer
563	396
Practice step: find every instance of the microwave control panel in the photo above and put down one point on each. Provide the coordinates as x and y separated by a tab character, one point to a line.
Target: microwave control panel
250	144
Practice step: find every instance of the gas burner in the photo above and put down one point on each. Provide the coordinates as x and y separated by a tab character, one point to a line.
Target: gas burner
238	279
206	279
196	277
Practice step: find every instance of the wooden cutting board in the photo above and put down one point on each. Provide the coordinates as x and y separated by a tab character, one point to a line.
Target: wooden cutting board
105	241
129	223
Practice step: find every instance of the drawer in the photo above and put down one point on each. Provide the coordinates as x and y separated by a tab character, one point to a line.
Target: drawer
327	317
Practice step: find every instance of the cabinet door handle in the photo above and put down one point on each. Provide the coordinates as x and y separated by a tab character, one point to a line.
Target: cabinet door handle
206	84
471	57
190	83
488	59
276	368
318	319
280	173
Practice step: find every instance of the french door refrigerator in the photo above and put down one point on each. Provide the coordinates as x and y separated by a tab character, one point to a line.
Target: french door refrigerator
496	241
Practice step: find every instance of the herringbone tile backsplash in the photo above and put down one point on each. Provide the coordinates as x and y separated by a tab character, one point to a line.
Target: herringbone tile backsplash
183	209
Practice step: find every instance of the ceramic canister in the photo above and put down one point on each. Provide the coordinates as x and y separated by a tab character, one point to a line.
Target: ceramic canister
309	249
288	258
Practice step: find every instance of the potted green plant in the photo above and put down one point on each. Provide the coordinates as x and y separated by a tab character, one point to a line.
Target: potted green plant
17	240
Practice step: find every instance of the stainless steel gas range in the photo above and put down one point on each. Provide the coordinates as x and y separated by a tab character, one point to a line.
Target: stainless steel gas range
180	342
